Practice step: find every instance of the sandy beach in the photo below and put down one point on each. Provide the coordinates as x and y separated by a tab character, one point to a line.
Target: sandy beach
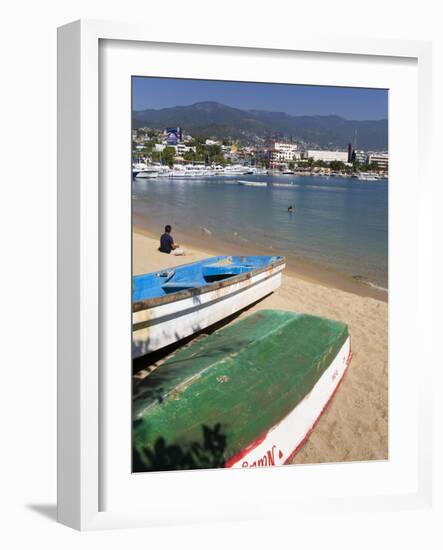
355	425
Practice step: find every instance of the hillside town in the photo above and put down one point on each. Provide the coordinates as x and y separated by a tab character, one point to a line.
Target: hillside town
174	152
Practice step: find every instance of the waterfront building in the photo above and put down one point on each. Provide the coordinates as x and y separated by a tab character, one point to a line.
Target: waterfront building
281	153
283	146
181	148
328	156
380	159
361	157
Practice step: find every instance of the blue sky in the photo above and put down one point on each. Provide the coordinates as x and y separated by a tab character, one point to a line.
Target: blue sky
350	103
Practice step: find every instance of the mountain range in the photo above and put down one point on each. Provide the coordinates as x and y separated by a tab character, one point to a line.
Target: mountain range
213	119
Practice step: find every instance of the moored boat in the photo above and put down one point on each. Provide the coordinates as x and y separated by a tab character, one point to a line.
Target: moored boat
235	170
276	184
174	303
138	167
367	176
248	395
148	172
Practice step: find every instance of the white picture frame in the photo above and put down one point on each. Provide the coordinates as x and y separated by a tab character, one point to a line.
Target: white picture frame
80	261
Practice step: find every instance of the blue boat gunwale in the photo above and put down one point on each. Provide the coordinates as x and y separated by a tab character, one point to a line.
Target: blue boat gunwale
148	303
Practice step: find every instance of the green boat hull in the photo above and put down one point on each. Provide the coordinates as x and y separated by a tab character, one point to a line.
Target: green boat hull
238	392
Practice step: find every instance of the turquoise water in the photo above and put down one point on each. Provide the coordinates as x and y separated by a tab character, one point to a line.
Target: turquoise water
341	223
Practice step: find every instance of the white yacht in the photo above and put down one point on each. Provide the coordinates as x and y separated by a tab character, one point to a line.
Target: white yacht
202	171
162	169
138	167
143	170
367	176
236	170
191	171
184	171
148	172
178	171
218	170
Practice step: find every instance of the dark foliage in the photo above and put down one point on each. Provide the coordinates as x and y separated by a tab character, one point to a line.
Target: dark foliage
208	453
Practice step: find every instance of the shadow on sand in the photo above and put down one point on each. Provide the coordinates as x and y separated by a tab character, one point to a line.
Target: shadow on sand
147	361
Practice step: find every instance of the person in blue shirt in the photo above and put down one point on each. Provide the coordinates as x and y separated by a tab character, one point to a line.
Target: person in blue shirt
167	244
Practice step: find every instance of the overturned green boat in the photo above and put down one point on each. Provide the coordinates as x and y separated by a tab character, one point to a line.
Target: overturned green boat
247	395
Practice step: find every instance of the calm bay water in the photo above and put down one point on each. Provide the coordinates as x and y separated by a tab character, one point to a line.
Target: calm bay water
341	223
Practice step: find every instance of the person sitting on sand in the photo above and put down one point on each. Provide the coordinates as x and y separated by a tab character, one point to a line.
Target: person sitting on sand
167	244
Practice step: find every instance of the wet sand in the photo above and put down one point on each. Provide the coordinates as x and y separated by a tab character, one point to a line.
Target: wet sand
355	425
301	268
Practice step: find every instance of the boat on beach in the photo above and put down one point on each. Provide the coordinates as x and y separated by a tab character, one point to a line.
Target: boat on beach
247	395
174	303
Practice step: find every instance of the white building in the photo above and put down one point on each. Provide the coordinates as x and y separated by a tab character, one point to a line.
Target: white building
328	156
181	149
380	159
280	154
361	157
287	151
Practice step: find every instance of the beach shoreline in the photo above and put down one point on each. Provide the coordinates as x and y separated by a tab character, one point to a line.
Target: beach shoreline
301	268
354	427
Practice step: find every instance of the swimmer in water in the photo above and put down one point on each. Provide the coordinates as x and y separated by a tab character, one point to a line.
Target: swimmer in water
290	209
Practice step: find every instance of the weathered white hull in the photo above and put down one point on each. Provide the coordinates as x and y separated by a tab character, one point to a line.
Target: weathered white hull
278	446
159	326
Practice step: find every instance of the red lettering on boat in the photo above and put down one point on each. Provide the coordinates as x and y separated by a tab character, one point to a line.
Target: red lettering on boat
271	459
268	459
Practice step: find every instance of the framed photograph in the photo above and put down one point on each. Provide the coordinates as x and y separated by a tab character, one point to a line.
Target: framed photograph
233	276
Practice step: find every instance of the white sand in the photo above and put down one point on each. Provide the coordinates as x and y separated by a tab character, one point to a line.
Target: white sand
355	425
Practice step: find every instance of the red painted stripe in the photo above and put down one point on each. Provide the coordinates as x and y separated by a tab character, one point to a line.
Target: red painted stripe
245	451
308	433
229	463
